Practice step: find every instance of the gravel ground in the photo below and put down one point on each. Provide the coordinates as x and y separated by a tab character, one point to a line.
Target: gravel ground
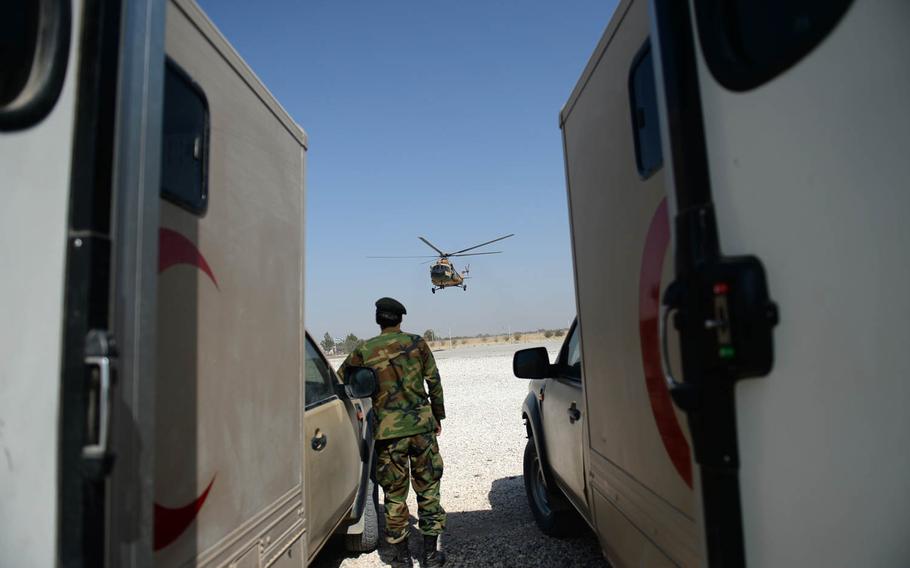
482	443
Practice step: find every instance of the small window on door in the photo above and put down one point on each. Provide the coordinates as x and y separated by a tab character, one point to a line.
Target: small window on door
34	49
319	379
572	355
748	43
184	141
645	121
18	42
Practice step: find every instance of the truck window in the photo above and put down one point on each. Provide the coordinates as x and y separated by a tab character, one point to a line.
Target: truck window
747	44
319	379
184	141
573	354
645	122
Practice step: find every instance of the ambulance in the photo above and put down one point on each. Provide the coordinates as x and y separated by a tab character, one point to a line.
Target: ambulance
161	403
738	190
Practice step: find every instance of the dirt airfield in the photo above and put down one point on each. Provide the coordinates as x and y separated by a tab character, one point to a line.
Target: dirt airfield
482	442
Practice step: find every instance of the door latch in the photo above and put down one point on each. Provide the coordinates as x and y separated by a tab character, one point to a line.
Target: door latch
725	318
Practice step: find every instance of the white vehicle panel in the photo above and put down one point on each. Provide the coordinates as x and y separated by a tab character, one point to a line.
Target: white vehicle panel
810	173
33	233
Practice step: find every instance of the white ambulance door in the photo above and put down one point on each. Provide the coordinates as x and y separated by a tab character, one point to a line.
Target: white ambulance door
564	413
333	462
787	131
78	156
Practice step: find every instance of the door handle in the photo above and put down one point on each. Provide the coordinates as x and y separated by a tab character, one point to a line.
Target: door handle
100	358
319	441
574	414
99	448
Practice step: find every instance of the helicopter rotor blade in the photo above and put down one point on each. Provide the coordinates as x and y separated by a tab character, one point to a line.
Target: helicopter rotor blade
478	253
416	256
432	246
480	245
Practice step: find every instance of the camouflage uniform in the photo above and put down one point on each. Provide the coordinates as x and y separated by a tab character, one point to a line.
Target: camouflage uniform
405	423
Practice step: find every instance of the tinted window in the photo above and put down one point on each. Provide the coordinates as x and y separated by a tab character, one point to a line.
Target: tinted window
747	43
319	378
34	50
184	141
645	122
18	39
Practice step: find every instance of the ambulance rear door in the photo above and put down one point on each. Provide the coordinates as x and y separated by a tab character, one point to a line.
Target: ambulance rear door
79	117
786	131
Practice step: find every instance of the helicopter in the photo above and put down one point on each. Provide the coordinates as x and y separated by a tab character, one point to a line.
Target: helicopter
443	273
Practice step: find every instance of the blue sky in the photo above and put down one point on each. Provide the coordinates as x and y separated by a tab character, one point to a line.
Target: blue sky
427	118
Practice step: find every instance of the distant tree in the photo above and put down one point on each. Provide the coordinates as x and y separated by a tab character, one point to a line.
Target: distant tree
352	342
548	334
429	335
484	338
516	336
327	342
559	332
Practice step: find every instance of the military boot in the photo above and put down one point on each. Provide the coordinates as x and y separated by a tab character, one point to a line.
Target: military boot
432	558
402	555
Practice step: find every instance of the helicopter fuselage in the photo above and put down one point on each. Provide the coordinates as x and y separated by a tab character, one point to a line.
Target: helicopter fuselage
443	275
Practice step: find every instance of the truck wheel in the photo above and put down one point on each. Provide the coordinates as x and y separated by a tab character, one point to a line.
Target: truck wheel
552	513
369	538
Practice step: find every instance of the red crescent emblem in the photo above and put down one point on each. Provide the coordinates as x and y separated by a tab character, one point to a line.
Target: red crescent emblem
652	262
174	249
171	523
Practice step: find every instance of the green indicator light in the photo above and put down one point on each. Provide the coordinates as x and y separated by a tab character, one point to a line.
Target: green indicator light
726	352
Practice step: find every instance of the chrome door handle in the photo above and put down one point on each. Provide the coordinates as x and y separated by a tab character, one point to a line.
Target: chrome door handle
319	441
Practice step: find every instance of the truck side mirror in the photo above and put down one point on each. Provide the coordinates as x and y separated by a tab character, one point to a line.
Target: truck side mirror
360	382
532	363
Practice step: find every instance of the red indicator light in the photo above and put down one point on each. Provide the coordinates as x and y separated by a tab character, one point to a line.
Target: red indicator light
721	288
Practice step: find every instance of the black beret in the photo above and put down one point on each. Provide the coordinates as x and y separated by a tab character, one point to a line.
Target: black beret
390	305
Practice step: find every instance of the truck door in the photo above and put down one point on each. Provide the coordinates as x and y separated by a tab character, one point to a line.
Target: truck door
79	111
332	451
786	128
564	412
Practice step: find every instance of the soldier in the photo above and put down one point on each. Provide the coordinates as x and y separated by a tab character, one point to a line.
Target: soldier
407	424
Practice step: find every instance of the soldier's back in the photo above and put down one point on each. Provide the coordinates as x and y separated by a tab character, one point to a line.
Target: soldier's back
401	402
